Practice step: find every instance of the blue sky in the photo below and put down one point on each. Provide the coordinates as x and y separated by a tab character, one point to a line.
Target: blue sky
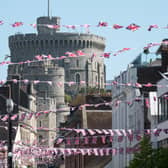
123	12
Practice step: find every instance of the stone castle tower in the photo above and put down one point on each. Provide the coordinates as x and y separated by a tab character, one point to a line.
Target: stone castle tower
51	41
47	41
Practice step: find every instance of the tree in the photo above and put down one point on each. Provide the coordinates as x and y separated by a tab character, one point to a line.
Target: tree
143	157
68	98
148	157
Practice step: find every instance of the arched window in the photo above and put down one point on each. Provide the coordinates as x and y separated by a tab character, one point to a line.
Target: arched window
77	79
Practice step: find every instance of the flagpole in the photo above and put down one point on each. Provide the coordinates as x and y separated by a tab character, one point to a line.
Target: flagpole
48	8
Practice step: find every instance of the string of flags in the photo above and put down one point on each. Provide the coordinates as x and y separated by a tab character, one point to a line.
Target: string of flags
83	83
27	116
53	152
78	53
99	132
132	27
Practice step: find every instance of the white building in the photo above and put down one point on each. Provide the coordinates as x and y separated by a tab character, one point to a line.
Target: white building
128	114
160	116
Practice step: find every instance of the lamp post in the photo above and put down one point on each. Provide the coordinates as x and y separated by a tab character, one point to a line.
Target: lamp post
9	109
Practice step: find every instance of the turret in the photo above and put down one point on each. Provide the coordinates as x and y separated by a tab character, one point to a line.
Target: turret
48	25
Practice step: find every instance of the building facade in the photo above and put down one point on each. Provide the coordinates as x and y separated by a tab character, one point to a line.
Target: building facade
130	108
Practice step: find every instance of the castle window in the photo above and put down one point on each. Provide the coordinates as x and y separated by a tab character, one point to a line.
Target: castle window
24	43
61	43
32	43
83	43
40	123
65	43
77	79
36	42
102	82
91	44
51	42
40	138
42	45
87	44
20	44
70	43
28	43
46	43
79	43
77	63
75	43
96	79
56	43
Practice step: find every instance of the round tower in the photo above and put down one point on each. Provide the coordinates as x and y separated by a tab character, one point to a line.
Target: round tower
47	77
51	41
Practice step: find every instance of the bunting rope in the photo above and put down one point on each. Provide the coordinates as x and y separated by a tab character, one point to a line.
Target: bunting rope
78	53
132	27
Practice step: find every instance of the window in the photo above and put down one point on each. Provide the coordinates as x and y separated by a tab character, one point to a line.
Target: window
40	138
40	123
83	43
77	63
79	43
78	79
65	43
163	108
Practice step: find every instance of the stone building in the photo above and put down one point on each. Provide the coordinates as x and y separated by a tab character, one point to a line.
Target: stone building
129	103
87	118
51	41
50	96
24	105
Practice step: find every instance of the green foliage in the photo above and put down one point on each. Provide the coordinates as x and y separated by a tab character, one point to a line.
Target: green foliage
148	157
92	91
68	98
